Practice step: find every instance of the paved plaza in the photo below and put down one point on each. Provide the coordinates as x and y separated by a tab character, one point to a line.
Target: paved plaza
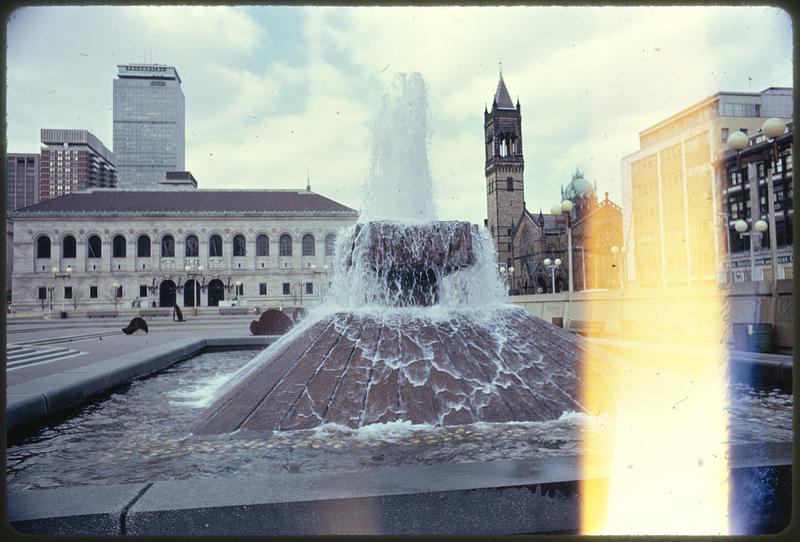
38	347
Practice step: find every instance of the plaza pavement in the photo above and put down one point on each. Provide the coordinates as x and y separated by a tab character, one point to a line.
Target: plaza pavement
99	340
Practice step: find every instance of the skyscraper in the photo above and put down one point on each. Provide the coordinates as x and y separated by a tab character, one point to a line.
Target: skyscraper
22	180
73	160
149	124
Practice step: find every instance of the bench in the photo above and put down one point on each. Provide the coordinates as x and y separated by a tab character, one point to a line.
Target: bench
233	310
102	314
586	327
146	313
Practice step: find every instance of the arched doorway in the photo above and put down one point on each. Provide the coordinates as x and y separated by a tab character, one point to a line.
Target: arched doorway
166	294
216	292
191	293
541	285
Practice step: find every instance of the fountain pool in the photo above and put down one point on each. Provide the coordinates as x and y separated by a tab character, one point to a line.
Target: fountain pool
142	433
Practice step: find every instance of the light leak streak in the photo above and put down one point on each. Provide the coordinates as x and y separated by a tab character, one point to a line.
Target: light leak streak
661	466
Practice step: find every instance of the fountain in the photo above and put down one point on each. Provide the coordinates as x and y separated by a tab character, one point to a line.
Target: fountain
416	328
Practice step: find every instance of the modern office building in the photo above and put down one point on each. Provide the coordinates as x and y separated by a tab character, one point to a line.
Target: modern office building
745	191
670	187
73	160
149	125
22	180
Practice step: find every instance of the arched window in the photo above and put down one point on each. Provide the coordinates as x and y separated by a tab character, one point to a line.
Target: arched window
215	246
308	245
262	245
167	247
69	247
43	247
94	247
239	245
143	246
192	247
330	242
118	247
285	245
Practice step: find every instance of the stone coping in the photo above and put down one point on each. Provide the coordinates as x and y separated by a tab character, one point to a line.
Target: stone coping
492	497
32	403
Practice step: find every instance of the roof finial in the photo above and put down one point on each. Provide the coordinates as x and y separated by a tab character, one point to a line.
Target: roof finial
501	69
308	180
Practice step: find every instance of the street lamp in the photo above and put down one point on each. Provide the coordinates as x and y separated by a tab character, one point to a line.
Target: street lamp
507	273
566	208
323	272
115	288
551	267
772	129
759	227
615	252
193	273
56	275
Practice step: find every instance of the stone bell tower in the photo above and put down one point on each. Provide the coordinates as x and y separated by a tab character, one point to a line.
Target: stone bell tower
505	187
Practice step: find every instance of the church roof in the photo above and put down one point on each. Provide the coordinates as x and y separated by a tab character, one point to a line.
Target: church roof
189	202
578	186
501	96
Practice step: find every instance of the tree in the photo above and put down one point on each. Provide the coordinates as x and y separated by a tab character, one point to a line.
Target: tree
76	297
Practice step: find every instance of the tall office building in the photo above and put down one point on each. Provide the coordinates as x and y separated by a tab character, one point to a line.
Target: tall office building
670	187
149	124
22	180
73	160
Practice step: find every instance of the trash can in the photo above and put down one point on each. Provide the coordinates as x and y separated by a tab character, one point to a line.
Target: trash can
63	315
558	321
752	337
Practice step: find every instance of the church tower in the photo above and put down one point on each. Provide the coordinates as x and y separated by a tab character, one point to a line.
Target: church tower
505	186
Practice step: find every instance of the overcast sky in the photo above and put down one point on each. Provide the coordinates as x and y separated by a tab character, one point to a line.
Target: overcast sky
271	92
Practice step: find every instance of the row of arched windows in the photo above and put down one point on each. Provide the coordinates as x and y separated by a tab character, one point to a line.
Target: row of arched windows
191	246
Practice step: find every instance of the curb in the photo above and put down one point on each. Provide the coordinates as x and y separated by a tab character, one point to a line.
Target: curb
34	402
493	497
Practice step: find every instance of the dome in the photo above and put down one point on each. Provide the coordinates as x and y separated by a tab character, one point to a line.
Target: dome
578	186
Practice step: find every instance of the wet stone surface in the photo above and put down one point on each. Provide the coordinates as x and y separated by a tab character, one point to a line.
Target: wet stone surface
143	433
501	365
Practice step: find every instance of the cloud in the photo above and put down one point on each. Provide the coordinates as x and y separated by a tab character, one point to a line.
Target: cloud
259	115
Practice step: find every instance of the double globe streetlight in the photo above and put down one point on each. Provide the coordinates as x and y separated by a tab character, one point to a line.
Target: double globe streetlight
566	208
507	274
759	227
551	267
738	141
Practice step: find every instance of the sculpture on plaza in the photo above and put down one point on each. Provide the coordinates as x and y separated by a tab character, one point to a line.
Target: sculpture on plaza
271	322
136	324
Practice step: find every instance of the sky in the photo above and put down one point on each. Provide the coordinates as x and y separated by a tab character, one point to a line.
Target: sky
276	93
